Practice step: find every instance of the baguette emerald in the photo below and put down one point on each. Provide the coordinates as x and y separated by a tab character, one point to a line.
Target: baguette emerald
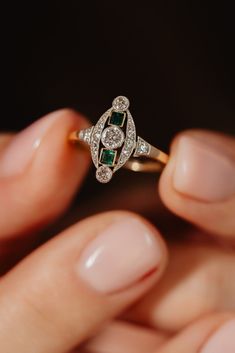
117	118
107	157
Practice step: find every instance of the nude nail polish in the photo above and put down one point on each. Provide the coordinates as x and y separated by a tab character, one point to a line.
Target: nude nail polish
21	149
120	256
203	172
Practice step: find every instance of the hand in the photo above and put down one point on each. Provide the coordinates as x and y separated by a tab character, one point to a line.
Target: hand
55	297
192	308
63	291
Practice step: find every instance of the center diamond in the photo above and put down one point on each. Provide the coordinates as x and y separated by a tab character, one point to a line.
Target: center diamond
112	137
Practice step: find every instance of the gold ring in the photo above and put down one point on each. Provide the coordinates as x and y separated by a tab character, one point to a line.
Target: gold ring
113	143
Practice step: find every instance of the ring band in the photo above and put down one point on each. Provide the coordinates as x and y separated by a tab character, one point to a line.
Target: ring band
111	147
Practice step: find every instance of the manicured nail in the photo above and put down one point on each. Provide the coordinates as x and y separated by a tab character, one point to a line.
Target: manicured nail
20	151
203	172
120	256
223	340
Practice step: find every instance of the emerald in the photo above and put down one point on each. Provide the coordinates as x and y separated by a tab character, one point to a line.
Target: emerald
117	118
107	157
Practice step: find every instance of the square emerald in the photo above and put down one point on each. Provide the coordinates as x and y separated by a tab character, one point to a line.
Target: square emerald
117	118
107	157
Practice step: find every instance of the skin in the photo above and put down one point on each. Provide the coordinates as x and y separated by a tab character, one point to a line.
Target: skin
44	307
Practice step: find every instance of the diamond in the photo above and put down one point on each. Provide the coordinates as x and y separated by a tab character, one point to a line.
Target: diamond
129	144
126	152
142	148
80	134
104	174
85	134
121	103
112	137
96	136
117	118
107	157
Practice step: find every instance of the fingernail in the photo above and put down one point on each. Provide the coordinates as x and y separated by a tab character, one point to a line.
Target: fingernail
120	256
223	340
21	149
203	172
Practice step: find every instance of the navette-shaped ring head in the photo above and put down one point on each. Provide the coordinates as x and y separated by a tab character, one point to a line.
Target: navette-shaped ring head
113	143
113	139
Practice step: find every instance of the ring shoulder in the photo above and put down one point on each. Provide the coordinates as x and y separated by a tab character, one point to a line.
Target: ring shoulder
142	148
83	135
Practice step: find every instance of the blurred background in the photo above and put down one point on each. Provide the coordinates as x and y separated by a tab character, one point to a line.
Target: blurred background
174	60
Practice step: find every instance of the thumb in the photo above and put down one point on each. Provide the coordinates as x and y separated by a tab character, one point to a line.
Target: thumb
198	183
62	293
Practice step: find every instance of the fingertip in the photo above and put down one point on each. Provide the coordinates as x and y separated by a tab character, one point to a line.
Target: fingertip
211	334
23	148
198	182
129	251
40	171
58	166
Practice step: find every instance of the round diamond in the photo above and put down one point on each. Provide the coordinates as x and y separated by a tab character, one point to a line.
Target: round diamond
112	137
121	103
81	135
143	149
104	174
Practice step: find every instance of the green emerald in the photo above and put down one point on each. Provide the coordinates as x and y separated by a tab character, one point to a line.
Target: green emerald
107	157
117	118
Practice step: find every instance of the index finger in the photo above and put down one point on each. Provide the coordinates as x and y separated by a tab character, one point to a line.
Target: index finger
39	173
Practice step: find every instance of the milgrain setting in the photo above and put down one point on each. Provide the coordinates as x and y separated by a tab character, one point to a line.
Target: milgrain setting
113	143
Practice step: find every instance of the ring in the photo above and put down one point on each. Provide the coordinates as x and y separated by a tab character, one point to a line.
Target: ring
113	143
